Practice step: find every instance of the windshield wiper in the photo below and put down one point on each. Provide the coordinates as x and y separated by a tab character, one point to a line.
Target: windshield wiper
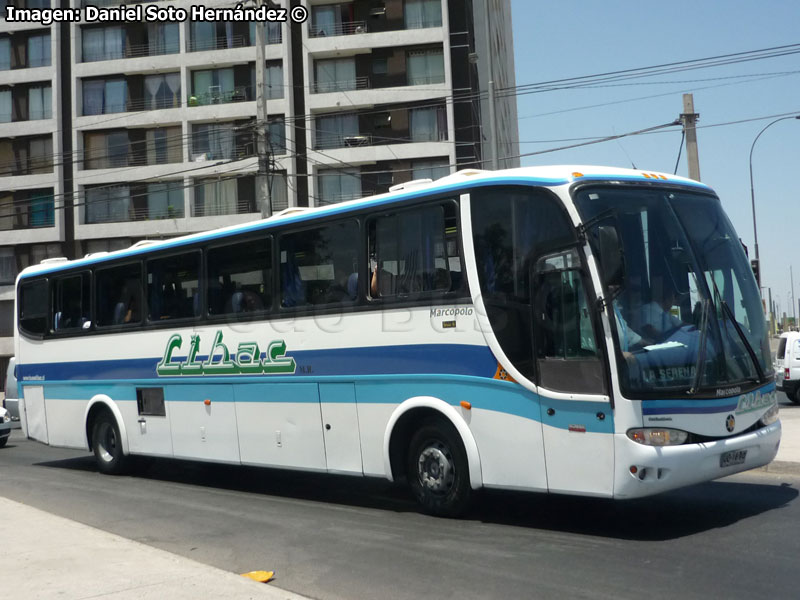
728	313
700	363
747	345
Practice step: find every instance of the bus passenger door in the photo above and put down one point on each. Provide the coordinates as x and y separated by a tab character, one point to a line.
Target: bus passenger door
577	418
340	427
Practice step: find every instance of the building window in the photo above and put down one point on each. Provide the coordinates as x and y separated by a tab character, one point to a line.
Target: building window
162	91
224	196
420	14
336	75
430	169
106	149
274	80
6	110
103	43
165	200
39	50
428	124
209	35
39	103
8	265
104	96
338	185
215	86
164	145
213	141
425	67
26	155
162	38
5	53
279	192
107	204
333	131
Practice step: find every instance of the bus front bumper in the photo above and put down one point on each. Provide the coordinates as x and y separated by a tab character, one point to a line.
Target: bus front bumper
645	470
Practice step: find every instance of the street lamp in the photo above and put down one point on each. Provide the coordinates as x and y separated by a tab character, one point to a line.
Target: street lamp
753	194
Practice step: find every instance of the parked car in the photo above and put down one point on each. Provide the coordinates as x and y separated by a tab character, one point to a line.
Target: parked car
787	365
11	402
5	426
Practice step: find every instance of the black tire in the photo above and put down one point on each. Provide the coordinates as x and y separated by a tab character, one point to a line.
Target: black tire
438	470
3	441
796	396
107	445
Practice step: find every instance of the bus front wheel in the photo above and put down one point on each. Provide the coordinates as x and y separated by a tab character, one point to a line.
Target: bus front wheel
107	445
438	471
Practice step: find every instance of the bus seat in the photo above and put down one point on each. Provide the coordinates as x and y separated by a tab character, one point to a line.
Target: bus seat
119	313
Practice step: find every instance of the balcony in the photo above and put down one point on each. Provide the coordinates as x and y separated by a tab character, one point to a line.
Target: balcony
215	95
326	87
337	29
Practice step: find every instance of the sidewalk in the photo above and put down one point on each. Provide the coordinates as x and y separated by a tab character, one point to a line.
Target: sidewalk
47	556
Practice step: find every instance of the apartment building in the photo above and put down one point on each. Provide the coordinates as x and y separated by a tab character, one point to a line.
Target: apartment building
115	132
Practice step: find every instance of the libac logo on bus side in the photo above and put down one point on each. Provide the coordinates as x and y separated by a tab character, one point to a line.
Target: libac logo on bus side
248	359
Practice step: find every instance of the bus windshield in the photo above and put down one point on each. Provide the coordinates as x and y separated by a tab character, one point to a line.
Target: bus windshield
687	312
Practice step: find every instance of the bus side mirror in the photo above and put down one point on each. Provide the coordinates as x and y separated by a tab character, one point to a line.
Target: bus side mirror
612	257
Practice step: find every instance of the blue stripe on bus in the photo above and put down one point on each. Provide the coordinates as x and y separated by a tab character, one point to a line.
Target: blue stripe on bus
344	209
483	394
698	407
456	359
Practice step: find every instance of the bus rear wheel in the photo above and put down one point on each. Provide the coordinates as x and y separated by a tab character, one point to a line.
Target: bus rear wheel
107	445
438	471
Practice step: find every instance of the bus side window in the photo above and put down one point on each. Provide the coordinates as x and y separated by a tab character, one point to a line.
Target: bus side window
33	307
119	295
173	287
71	302
240	277
411	253
317	265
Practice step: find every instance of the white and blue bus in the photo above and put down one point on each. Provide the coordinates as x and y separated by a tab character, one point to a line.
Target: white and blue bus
584	330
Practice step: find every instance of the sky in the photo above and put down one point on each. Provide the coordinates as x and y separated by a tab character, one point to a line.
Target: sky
572	38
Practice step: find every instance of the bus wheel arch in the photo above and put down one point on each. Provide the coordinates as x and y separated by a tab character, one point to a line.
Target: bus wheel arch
103	405
413	414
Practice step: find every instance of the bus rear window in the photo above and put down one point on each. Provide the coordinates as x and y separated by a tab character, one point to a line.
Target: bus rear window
33	307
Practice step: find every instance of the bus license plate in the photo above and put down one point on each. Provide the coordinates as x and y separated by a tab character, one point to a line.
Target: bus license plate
732	458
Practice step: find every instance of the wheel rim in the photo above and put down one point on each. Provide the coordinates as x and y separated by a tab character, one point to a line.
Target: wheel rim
436	469
107	444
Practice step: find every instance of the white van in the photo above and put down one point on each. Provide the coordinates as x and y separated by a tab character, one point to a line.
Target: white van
11	401
787	365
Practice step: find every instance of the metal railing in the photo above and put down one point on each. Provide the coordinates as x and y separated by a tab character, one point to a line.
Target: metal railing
240	93
336	29
222	42
325	87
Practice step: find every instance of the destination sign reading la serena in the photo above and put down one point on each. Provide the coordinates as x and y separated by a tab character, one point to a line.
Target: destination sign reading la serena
248	359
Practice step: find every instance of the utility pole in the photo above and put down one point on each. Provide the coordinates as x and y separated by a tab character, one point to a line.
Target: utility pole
262	126
492	99
771	313
794	304
689	118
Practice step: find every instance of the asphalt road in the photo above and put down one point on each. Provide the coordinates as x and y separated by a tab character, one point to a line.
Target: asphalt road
334	537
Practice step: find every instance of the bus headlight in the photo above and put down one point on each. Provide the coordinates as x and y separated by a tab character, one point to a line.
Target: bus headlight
651	436
769	417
